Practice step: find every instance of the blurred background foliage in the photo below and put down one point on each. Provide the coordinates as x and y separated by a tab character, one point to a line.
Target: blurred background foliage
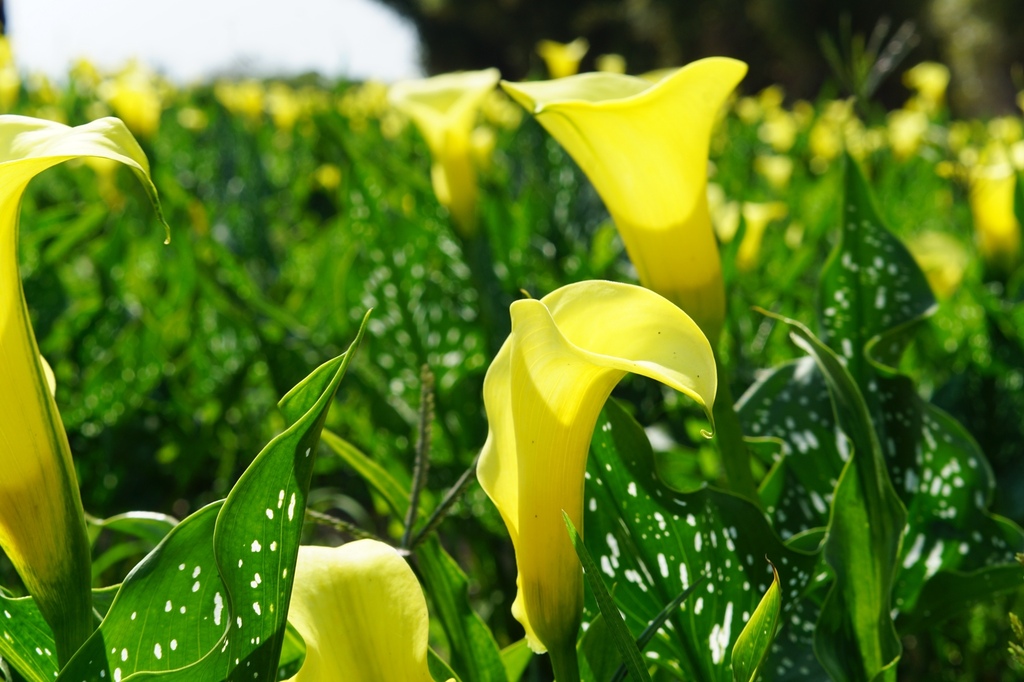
296	205
979	39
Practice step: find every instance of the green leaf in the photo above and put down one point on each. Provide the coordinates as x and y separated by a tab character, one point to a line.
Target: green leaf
659	621
620	633
876	294
516	657
25	638
856	638
655	543
439	669
790	404
752	645
475	654
149	526
293	653
396	497
26	641
597	653
210	602
871	287
951	538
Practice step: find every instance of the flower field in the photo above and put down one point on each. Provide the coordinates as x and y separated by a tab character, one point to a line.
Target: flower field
595	378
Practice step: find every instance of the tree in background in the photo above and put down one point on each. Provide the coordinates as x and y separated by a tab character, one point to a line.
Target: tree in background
979	39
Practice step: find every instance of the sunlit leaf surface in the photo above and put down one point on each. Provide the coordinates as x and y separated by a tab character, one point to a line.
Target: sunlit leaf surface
651	542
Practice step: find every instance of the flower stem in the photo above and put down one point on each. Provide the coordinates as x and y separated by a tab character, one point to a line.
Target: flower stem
564	663
729	434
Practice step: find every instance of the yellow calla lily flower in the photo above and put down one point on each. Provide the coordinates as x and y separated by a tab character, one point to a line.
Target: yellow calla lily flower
943	260
996	228
610	63
42	524
775	168
362	614
543	394
135	97
562	59
929	80
444	108
757	217
906	131
644	146
244	99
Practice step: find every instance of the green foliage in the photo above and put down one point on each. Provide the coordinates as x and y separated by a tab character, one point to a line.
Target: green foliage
754	642
886	458
190	620
609	612
655	543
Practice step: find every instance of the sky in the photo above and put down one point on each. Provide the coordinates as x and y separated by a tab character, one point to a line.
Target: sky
190	40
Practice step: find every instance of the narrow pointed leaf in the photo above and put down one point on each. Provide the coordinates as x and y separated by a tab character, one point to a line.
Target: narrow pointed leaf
390	490
149	526
475	654
439	669
620	633
659	621
754	641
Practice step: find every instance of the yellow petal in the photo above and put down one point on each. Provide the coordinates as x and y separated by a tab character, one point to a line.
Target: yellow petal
930	80
444	109
362	614
611	63
135	97
906	131
995	224
563	59
543	394
776	169
942	258
42	527
644	146
757	217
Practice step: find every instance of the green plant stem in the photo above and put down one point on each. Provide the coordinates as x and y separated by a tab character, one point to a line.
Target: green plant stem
564	663
339	525
729	435
454	494
422	465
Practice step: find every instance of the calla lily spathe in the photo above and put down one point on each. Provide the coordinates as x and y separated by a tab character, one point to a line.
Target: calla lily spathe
757	217
362	614
563	59
444	109
996	227
42	524
644	146
543	394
